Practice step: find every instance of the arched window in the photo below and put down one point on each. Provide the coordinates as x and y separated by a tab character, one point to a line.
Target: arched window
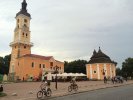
26	34
43	65
32	64
18	26
25	20
18	20
39	65
23	34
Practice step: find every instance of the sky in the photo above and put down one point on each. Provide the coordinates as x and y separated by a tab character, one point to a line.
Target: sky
71	29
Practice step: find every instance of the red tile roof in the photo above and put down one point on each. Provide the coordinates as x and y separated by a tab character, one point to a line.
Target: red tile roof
38	56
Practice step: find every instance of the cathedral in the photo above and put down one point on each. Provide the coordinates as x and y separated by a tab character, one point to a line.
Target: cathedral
23	64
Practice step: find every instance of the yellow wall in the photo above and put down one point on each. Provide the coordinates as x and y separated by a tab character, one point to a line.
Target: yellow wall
108	68
25	66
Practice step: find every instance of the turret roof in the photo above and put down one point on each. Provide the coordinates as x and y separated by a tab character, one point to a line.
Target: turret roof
100	57
23	10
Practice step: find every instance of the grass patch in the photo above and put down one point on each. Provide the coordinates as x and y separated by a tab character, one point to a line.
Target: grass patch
2	94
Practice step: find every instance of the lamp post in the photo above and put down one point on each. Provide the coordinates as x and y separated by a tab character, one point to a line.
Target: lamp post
43	73
56	71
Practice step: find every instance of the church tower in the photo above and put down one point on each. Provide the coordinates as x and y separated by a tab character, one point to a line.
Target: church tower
21	44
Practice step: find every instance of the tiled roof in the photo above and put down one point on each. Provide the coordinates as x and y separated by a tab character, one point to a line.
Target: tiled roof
24	13
100	57
38	56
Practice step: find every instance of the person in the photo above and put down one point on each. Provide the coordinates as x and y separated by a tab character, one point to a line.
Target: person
105	79
113	80
23	79
73	81
44	85
1	88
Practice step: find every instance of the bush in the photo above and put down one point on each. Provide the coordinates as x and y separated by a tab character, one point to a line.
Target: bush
1	78
2	94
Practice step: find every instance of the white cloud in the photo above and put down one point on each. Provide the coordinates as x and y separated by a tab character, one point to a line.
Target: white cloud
71	29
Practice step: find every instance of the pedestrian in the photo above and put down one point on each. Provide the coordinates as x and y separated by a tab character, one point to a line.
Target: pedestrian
1	88
113	79
105	79
23	79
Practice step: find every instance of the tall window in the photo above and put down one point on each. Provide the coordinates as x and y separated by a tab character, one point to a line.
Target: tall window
25	20
43	65
51	63
32	64
18	20
39	65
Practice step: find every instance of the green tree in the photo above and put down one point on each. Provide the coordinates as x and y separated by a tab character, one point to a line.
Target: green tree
127	67
7	59
118	72
4	64
77	66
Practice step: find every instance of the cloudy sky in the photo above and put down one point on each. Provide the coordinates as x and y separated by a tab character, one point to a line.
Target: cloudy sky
72	29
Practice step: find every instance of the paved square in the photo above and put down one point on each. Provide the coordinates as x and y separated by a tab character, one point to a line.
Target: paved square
28	90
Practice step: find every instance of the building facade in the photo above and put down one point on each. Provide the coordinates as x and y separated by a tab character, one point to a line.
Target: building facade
23	64
100	65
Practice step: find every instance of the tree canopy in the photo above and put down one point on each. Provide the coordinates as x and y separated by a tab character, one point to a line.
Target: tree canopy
4	64
77	66
118	72
127	67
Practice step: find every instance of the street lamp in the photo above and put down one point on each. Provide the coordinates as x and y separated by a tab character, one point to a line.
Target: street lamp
56	72
43	73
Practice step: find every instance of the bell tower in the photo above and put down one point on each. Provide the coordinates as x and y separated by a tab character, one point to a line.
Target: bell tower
21	44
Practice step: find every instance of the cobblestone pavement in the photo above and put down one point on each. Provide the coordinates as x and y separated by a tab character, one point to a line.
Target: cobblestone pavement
28	90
